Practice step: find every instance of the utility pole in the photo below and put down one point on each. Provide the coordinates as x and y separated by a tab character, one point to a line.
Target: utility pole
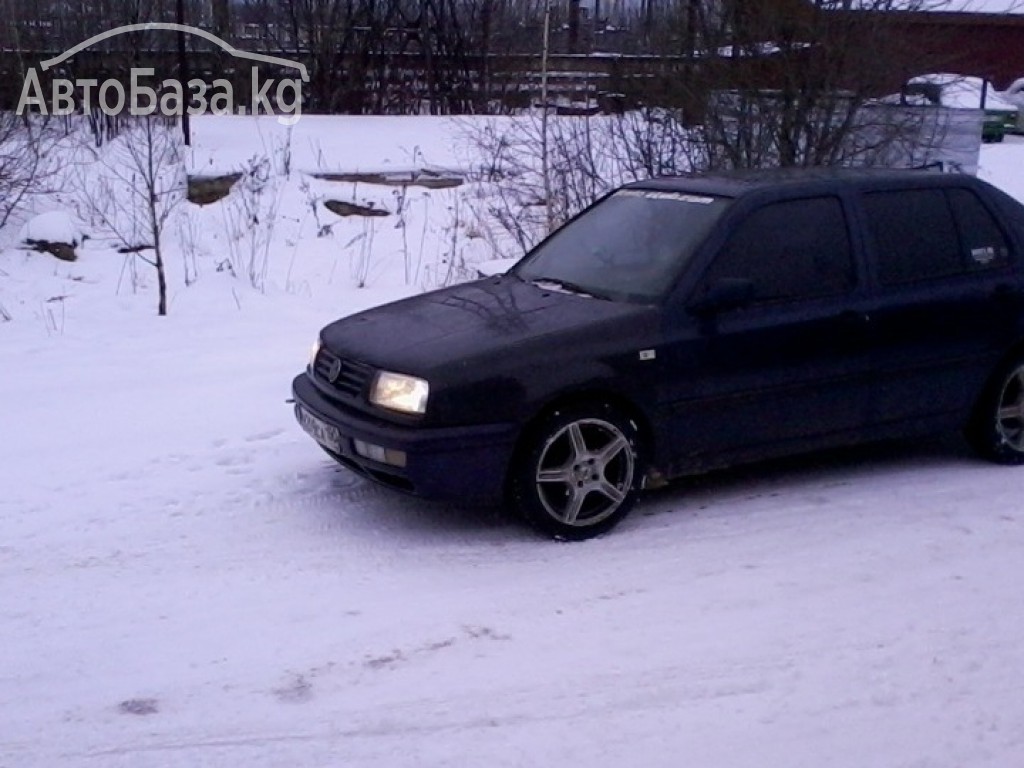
544	118
574	25
183	73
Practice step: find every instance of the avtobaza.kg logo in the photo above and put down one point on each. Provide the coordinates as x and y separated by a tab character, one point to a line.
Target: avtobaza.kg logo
143	95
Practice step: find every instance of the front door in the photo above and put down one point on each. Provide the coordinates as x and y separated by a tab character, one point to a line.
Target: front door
790	364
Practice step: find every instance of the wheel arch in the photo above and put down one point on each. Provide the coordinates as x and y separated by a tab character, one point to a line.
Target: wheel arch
984	429
1014	353
582	396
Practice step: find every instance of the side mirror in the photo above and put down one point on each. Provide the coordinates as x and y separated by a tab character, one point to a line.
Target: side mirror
724	294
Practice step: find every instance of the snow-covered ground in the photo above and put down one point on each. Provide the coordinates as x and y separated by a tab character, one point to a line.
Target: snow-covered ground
186	580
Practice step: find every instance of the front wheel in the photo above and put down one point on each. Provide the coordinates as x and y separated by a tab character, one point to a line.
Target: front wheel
997	427
578	472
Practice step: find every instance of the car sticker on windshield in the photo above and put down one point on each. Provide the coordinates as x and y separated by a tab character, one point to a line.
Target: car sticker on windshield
651	194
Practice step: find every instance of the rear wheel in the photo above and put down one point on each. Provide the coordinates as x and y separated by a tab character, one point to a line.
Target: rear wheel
997	427
578	472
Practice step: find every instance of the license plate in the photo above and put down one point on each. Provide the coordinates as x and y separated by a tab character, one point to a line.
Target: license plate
326	434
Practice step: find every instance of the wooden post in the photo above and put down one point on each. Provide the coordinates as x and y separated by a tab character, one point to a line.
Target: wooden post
544	118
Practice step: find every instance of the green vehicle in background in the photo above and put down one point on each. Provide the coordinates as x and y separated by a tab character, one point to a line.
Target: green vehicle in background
998	122
958	92
1014	96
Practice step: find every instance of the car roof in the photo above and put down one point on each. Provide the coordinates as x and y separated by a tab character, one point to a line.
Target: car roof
740	182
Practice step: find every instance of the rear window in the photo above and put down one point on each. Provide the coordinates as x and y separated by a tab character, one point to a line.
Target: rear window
1011	212
915	235
924	234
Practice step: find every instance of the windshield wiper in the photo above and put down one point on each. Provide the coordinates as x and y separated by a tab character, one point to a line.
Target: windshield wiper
571	287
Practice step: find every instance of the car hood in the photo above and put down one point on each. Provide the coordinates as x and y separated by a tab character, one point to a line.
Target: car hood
468	321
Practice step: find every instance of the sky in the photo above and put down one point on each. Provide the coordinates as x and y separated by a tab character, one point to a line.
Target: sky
995	6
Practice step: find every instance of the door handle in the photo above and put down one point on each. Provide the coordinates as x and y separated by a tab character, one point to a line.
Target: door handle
1006	291
854	318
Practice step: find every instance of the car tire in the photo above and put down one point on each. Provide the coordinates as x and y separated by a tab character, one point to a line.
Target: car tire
578	472
996	429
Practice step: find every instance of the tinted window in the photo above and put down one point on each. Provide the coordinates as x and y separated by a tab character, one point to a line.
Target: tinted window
791	250
914	234
983	243
630	246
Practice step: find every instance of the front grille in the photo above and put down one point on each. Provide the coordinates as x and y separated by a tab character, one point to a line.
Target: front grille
347	376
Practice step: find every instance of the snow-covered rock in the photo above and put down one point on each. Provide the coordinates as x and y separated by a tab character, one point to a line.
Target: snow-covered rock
55	232
53	227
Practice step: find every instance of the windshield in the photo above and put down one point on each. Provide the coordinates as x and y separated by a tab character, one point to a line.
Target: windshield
631	246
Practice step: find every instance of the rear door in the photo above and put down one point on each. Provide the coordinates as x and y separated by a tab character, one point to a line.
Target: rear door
945	300
793	362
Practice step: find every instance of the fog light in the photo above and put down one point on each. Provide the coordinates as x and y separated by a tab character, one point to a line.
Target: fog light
379	453
368	450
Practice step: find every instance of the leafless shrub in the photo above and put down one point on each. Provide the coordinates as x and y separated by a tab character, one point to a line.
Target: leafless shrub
250	213
25	162
587	157
779	83
190	242
132	188
361	260
791	83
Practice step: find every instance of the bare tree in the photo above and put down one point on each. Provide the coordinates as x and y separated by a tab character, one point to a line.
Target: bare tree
399	56
761	85
790	82
333	37
24	161
132	189
540	184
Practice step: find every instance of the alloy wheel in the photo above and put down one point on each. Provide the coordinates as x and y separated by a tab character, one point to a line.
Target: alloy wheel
1010	413
585	472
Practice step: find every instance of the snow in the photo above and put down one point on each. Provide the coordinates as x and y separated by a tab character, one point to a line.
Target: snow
52	227
962	92
329	143
1015	94
1003	165
967	6
185	579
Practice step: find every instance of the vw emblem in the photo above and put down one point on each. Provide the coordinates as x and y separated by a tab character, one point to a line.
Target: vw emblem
334	371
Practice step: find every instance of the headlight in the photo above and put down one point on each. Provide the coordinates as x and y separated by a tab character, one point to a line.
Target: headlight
399	392
313	353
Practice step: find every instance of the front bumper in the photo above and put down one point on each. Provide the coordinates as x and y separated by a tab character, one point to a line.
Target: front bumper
457	463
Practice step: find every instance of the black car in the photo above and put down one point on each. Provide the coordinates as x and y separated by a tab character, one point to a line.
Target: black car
684	324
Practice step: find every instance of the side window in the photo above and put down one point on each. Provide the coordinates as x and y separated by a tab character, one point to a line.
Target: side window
914	233
983	243
797	249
